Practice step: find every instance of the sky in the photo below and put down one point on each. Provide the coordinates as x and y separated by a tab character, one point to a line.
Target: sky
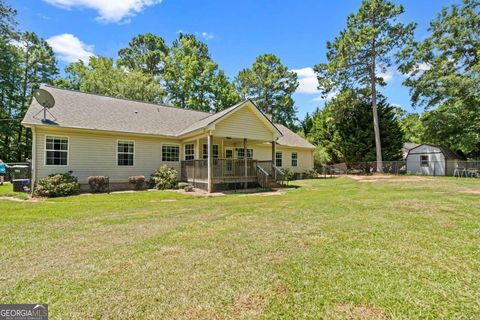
236	32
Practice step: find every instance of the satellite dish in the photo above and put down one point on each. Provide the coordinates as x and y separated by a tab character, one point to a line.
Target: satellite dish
44	98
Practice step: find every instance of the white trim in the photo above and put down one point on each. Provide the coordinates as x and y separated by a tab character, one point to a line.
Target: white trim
171	144
281	152
134	152
267	122
291	159
184	151
45	151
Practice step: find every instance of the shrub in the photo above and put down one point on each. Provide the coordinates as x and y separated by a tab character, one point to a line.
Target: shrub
164	178
137	181
98	183
57	185
288	174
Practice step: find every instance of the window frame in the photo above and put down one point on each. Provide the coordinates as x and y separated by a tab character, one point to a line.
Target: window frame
171	145
117	152
185	151
205	156
292	159
248	149
424	163
277	158
46	150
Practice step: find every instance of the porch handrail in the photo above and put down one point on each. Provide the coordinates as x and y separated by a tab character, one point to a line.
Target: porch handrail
279	174
262	177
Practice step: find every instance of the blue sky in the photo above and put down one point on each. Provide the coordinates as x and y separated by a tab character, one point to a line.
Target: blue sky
236	31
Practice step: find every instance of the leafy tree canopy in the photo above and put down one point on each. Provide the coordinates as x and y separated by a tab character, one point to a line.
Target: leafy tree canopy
345	130
192	79
270	84
102	76
146	52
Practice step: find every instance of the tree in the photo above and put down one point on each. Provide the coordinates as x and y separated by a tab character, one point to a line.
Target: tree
306	125
224	93
192	79
270	85
146	52
363	49
7	20
444	68
344	129
102	76
454	125
411	125
443	73
36	65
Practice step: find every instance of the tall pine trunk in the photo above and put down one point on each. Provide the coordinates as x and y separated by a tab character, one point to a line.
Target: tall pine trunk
376	125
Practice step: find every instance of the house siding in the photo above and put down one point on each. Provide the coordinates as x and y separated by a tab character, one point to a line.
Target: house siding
243	123
95	153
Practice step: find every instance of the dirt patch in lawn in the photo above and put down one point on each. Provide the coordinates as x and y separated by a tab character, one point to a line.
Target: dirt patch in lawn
384	177
248	305
471	191
15	199
360	312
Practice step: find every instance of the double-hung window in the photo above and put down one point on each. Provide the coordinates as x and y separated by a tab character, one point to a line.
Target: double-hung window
278	159
170	152
214	151
189	151
56	151
125	153
294	159
240	152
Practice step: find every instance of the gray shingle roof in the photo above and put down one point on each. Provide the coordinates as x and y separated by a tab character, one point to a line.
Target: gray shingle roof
292	139
74	109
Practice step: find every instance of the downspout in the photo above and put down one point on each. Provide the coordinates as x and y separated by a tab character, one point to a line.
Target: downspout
33	174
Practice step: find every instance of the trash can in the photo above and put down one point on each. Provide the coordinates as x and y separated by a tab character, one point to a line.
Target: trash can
19	185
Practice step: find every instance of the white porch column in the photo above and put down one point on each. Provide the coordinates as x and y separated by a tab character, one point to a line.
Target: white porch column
274	173
245	161
209	163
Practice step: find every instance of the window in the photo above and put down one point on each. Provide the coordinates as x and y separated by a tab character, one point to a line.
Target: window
278	159
423	161
294	159
240	153
170	152
189	151
214	152
56	151
125	153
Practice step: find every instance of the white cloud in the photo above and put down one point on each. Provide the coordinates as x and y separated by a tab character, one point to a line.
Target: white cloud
307	81
108	10
386	74
207	36
69	48
329	96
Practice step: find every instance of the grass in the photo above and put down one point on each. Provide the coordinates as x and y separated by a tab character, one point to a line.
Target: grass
400	248
6	190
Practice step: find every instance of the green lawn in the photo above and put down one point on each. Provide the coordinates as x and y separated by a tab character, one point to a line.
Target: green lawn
402	248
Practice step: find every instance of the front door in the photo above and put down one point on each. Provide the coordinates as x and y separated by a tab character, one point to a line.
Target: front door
229	161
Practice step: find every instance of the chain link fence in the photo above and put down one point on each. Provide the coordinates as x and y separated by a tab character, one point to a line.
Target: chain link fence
455	168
